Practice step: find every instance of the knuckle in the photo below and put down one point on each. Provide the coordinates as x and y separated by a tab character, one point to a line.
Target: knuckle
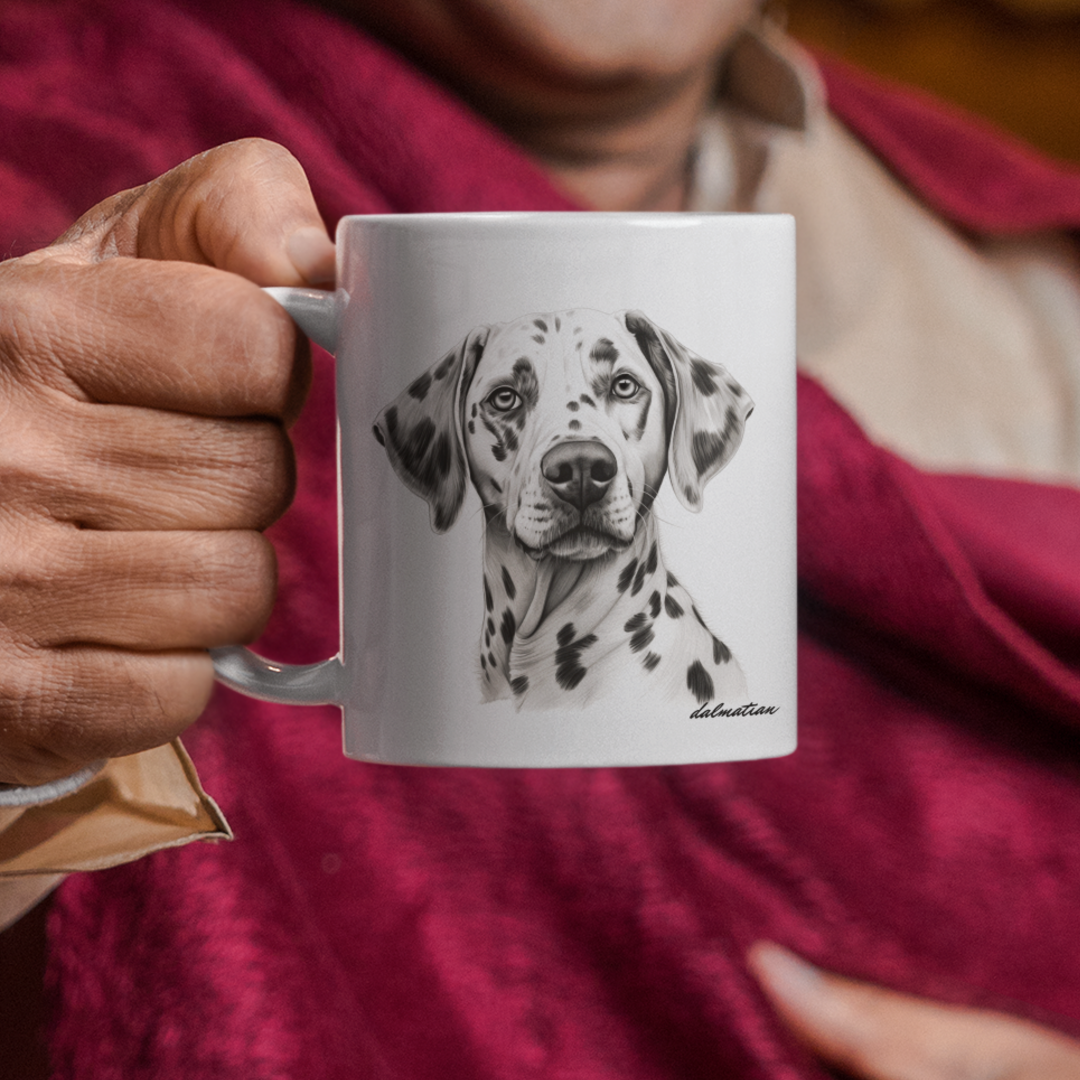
251	476
26	756
35	332
254	153
35	574
271	349
61	710
44	720
244	583
272	472
257	347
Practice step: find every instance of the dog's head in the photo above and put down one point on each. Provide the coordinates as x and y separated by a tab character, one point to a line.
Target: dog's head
567	424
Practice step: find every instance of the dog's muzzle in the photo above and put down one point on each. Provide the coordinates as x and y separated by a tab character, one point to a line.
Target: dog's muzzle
579	473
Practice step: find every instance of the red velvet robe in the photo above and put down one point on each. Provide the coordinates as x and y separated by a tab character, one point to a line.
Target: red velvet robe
373	921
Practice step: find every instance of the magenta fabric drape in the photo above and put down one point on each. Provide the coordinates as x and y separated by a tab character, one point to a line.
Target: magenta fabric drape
373	921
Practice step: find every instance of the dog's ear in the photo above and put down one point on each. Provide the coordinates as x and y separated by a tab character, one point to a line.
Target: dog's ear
706	409
421	430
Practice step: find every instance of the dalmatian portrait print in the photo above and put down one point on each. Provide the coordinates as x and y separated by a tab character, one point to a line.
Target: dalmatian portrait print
566	424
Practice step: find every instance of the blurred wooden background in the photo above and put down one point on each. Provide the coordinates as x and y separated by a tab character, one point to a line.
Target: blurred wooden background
1016	62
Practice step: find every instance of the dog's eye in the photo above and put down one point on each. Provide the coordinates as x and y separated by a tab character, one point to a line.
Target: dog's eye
504	399
625	386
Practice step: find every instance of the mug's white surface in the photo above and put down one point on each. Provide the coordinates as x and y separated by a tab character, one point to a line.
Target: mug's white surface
413	607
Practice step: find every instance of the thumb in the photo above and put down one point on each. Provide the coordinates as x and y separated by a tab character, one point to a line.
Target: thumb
245	207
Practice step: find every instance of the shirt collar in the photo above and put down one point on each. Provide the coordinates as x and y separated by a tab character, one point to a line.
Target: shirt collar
768	88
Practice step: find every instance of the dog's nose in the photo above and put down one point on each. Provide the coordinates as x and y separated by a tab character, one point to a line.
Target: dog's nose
579	471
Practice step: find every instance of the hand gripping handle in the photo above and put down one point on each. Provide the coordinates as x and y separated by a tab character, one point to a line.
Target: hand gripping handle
319	315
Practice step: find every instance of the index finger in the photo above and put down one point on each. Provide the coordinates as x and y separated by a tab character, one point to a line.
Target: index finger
173	336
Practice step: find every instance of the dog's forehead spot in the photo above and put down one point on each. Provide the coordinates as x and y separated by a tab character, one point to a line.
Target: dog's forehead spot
603	352
515	359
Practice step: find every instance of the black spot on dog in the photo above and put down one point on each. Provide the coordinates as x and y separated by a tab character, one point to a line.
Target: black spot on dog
639	580
704	376
654	604
540	325
474	409
483	663
526	382
489	600
472	427
445	365
673	607
508	626
508	583
707	447
671	580
424	453
520	685
558	323
498	447
574	425
698	682
642	638
604	352
492	661
573	406
378	436
653	350
650	566
636	622
586	400
721	654
569	671
497	486
643	417
418	388
539	339
650	661
691	495
490	627
697	615
627	575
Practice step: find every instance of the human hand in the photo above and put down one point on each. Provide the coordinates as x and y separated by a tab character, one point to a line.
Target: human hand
145	387
878	1034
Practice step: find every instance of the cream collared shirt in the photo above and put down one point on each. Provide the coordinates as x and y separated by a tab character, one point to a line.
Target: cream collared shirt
961	354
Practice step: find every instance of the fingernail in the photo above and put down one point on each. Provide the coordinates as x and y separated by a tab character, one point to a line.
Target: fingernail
786	975
311	251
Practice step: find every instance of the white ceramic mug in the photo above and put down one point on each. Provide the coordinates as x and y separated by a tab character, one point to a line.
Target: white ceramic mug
567	490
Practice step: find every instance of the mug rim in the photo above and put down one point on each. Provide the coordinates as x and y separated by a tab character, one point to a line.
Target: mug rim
668	218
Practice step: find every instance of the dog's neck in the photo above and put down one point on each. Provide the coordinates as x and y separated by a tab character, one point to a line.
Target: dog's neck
528	601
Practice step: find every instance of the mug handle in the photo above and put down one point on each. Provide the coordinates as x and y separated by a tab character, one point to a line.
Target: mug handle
319	315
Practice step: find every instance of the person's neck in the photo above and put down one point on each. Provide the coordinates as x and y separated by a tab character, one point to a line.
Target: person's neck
629	161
